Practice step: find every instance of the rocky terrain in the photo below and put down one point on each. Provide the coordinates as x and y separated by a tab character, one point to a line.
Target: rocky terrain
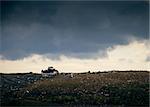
122	88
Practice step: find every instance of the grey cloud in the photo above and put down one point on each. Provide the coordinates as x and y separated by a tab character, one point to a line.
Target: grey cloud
71	28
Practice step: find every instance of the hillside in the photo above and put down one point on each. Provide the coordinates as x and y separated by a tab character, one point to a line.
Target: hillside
107	88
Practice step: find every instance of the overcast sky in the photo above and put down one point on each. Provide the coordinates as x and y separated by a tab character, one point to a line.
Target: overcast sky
79	30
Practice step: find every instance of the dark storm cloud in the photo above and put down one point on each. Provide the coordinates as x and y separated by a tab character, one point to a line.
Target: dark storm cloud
71	28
